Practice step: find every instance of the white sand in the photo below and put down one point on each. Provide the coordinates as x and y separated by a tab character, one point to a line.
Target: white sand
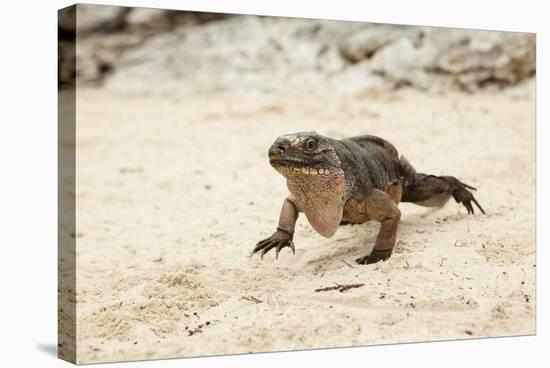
174	194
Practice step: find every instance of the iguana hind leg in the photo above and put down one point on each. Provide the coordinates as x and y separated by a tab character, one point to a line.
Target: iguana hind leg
435	191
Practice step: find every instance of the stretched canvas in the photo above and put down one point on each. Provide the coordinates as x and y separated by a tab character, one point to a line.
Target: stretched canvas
234	184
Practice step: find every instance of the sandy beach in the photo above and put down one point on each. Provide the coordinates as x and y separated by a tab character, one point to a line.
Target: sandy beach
173	194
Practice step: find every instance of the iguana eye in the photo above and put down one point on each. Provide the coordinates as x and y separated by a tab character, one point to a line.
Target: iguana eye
311	144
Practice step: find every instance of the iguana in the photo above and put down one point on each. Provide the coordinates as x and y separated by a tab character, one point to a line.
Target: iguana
351	181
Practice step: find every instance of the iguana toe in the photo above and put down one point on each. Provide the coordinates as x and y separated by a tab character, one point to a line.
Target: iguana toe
461	194
374	257
279	240
280	246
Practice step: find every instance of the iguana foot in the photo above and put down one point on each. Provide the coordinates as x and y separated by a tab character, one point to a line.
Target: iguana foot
375	256
435	191
461	194
279	240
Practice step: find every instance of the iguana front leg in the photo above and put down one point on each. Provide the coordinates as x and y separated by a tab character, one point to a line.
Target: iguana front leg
381	207
285	231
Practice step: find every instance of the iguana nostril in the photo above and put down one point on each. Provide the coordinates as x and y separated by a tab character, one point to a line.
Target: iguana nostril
276	151
279	147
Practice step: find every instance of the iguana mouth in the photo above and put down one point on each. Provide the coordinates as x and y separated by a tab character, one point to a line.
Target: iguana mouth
299	166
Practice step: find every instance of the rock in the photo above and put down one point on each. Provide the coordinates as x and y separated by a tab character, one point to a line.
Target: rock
485	57
90	16
465	59
362	44
142	16
401	63
172	52
244	53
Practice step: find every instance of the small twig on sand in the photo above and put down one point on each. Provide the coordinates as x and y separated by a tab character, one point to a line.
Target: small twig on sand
347	264
194	332
252	299
340	287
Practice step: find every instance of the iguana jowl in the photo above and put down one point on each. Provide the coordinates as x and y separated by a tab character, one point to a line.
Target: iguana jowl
353	180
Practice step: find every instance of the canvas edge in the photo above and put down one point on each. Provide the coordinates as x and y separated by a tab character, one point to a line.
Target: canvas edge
66	158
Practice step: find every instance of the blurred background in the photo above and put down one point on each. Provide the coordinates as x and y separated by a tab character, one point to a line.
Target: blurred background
140	50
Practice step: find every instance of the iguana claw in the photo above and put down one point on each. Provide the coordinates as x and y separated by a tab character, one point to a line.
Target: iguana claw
461	194
290	244
279	240
375	256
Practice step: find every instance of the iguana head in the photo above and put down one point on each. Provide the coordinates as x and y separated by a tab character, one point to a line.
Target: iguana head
301	155
315	177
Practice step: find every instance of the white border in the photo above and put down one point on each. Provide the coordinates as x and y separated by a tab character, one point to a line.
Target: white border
28	185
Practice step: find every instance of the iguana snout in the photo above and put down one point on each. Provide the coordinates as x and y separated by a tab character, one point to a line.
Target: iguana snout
304	153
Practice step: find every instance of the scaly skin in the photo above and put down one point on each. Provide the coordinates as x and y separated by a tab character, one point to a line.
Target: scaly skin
353	180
